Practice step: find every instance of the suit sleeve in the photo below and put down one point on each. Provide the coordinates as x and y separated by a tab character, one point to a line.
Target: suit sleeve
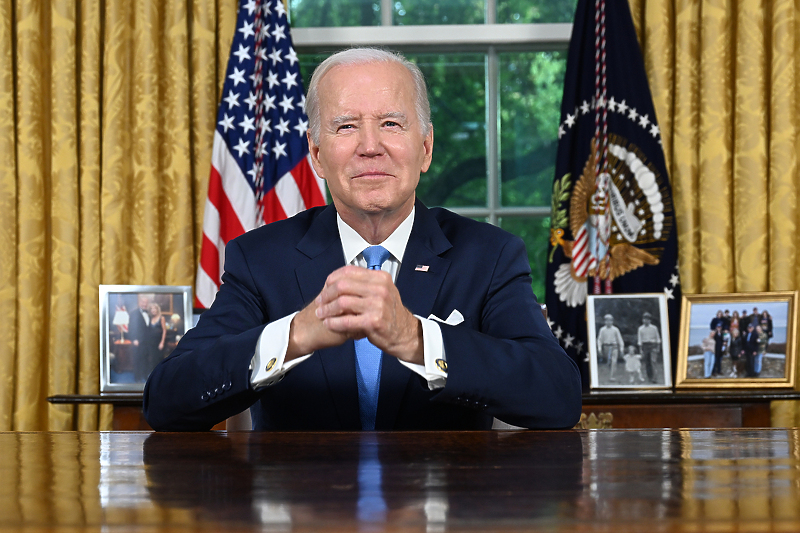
511	364
206	379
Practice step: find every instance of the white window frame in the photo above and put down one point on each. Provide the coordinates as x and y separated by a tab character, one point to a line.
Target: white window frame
489	38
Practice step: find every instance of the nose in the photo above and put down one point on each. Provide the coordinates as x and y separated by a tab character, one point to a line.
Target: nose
370	143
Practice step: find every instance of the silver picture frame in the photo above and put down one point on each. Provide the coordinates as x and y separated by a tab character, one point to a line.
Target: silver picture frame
130	345
643	362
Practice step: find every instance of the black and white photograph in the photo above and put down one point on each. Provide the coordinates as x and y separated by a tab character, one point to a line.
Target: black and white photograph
628	341
737	340
139	326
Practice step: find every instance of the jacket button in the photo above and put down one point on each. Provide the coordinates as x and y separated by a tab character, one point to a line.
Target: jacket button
204	396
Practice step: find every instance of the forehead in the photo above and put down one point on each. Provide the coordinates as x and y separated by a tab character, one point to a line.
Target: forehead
385	86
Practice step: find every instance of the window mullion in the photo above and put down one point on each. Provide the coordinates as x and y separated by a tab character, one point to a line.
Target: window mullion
492	134
491	11
386	12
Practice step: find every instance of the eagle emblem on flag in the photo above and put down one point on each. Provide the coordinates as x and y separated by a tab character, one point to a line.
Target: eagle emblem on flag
636	221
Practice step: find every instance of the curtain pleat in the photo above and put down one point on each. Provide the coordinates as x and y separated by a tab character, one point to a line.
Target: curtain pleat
33	136
64	209
782	105
8	217
90	17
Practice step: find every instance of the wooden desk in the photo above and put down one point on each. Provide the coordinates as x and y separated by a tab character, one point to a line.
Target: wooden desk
682	409
613	480
627	409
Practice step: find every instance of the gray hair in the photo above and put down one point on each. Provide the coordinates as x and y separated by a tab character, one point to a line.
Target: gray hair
362	56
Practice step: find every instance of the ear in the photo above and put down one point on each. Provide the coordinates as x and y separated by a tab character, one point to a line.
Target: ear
313	151
427	146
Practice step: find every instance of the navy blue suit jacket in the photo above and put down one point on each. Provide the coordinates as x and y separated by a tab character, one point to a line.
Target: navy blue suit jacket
503	361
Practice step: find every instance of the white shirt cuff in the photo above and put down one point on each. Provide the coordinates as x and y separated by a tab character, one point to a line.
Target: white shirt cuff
267	366
435	368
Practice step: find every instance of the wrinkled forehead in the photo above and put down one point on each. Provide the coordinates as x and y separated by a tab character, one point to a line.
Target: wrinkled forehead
366	79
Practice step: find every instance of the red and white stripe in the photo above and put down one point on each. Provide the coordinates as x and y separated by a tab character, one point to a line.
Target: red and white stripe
231	210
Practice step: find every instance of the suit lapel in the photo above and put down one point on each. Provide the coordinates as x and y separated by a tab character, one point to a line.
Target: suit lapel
323	247
418	289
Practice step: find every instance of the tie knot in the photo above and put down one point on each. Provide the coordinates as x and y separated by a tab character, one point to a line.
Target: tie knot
375	256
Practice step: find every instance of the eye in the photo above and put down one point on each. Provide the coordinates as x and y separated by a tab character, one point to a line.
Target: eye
391	124
344	127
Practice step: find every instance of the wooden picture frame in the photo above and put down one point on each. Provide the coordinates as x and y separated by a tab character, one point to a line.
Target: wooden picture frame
129	349
704	362
643	361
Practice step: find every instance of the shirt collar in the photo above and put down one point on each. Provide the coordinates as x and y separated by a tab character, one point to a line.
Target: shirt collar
353	244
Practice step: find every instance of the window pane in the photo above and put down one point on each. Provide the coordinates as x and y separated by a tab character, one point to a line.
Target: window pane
308	62
535	232
456	90
407	12
315	13
531	85
530	11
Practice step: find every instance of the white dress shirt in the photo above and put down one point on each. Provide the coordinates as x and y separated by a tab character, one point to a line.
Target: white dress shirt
268	366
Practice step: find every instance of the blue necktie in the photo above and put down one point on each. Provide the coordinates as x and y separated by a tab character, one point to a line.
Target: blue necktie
368	356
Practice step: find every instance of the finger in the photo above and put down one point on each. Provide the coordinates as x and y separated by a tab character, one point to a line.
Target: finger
357	284
352	276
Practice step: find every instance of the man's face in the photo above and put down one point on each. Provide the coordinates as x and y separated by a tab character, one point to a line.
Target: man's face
371	149
144	301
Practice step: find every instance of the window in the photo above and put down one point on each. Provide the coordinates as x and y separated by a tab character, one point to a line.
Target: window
495	71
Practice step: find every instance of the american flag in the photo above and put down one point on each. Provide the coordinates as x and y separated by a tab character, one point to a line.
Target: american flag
260	170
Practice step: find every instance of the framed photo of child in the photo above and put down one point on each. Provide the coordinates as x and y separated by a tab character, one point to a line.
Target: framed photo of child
737	340
629	341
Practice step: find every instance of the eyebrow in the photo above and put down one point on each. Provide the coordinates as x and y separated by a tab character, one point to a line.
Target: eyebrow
394	114
343	119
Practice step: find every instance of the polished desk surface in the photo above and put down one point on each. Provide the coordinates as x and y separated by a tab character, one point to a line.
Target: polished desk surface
601	480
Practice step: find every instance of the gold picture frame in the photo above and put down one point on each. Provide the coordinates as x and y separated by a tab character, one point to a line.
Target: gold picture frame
709	360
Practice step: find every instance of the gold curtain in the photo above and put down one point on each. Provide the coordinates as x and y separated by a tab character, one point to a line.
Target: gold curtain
106	117
725	78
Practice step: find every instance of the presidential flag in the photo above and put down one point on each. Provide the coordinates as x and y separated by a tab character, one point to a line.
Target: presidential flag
612	222
260	170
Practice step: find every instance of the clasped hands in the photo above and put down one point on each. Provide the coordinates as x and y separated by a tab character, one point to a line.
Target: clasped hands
357	303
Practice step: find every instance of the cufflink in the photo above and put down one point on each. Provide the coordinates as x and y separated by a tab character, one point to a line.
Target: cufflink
441	364
271	363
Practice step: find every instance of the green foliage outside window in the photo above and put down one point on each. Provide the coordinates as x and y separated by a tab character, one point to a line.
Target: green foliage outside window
334	13
530	99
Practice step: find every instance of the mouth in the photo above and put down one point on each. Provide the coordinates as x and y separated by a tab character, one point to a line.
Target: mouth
372	174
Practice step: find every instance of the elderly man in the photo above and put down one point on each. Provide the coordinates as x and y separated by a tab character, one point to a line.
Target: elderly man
440	331
649	340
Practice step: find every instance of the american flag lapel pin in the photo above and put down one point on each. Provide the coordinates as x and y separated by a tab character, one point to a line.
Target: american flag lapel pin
422	268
